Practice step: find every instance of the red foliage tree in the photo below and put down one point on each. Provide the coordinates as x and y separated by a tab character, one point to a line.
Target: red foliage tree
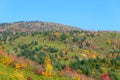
104	77
66	69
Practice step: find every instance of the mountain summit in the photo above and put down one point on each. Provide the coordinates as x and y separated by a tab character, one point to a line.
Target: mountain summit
36	26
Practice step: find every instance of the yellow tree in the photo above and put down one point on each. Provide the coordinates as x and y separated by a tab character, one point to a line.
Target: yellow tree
48	67
87	52
108	41
4	58
64	51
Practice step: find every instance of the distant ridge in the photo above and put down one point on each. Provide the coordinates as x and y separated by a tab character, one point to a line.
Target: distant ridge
36	26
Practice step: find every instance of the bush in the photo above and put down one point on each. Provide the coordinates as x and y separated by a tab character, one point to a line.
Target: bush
75	39
53	50
41	57
113	76
63	37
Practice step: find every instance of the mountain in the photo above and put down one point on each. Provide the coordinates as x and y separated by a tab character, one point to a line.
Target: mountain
49	51
35	26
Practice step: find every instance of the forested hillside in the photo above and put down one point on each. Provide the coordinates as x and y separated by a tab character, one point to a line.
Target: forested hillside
48	51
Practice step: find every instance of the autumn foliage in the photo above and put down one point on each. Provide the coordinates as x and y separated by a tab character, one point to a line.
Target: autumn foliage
104	77
47	66
4	57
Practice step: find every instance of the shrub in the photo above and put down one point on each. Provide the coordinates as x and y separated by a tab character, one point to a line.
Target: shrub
37	69
113	76
75	39
16	75
63	37
4	59
29	78
53	50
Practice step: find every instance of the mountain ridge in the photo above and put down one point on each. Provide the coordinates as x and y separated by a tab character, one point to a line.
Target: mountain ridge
36	26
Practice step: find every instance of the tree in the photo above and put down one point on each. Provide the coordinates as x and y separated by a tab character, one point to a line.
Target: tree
104	77
63	37
34	42
4	58
108	42
113	76
87	44
47	66
41	57
75	39
66	69
53	49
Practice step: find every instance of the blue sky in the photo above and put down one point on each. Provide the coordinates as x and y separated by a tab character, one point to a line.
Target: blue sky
86	14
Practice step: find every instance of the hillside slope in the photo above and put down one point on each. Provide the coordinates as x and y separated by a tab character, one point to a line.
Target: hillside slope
60	52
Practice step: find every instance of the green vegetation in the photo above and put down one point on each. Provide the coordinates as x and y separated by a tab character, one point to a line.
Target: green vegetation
35	53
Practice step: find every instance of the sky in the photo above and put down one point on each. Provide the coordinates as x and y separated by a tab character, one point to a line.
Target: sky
85	14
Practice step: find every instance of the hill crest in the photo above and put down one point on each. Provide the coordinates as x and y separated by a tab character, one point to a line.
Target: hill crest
36	26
